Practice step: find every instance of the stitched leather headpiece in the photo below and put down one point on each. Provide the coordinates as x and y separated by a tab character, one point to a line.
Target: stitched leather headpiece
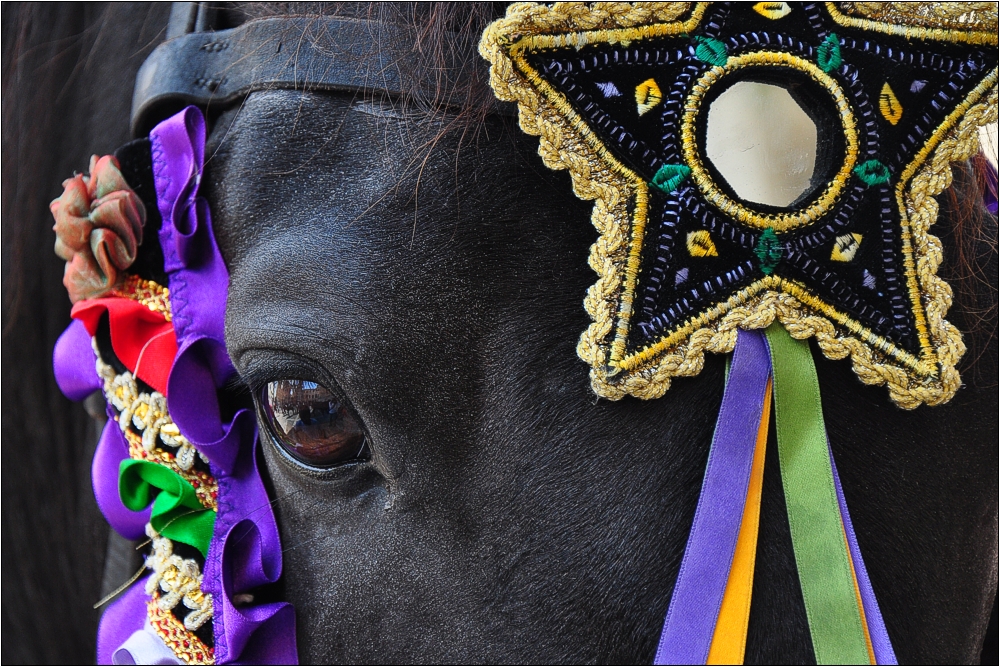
217	68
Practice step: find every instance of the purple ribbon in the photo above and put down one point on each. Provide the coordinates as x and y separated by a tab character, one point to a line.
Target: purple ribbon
199	285
884	654
689	626
701	582
245	552
112	449
75	364
122	617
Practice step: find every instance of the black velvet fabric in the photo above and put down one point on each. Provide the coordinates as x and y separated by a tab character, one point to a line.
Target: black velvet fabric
929	78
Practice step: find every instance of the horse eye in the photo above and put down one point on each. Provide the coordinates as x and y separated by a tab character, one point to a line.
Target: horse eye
311	424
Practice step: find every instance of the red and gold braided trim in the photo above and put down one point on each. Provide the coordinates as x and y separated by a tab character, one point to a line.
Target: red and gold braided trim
205	485
178	639
154	296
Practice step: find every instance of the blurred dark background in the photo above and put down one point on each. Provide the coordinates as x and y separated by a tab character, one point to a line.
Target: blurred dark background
68	70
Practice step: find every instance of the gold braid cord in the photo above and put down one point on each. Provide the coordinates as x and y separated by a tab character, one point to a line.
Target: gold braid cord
184	644
620	202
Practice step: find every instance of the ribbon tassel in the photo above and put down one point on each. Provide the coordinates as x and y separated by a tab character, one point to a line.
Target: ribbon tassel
709	611
729	640
814	520
702	581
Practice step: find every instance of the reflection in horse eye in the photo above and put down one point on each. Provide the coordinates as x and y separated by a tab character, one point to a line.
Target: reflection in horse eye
311	424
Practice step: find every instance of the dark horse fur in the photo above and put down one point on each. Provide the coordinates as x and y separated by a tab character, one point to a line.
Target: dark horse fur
430	270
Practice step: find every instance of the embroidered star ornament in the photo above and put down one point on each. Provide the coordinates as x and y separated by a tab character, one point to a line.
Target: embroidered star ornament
620	95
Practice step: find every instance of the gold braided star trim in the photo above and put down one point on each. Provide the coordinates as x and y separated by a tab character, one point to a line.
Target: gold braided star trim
620	202
970	22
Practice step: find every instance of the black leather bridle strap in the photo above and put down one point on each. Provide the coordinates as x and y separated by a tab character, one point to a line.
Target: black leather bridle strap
298	53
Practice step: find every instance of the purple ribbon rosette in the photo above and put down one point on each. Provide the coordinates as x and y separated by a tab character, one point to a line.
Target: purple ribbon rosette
245	551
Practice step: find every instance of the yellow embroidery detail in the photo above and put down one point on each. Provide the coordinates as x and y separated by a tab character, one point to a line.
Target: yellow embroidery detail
145	422
566	142
146	413
600	23
845	247
647	96
205	485
700	244
148	418
957	138
175	581
692	156
890	107
773	10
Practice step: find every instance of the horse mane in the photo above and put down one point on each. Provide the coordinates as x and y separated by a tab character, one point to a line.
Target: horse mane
969	234
68	72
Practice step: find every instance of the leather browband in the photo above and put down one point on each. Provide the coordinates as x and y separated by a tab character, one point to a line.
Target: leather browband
298	53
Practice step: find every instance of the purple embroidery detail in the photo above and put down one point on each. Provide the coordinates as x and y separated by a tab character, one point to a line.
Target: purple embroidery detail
609	89
245	552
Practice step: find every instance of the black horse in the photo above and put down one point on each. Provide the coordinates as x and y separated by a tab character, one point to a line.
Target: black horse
417	259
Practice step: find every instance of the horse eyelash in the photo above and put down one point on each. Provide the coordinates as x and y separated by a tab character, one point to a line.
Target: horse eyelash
249	382
255	379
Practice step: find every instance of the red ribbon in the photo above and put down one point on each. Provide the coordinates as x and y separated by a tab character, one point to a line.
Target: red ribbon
143	341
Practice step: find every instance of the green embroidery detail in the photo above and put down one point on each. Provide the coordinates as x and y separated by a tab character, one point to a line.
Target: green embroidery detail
872	172
669	177
828	53
712	51
768	251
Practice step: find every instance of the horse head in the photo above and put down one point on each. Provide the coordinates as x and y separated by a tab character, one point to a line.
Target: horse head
405	272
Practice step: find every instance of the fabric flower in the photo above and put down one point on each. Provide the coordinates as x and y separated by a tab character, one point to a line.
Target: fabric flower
99	221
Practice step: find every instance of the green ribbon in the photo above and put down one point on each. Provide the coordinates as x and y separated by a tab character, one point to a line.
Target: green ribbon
177	513
811	499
